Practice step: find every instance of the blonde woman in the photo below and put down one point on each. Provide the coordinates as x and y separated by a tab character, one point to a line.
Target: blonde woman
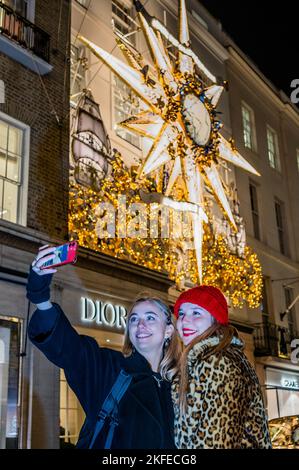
151	351
218	401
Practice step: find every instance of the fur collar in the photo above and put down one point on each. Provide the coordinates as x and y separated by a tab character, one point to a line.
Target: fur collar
203	346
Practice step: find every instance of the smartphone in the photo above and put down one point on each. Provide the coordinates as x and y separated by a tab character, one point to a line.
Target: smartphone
64	254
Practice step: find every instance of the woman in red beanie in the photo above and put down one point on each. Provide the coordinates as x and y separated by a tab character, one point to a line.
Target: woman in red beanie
217	396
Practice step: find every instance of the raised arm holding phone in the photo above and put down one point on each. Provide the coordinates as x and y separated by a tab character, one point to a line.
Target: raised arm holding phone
151	351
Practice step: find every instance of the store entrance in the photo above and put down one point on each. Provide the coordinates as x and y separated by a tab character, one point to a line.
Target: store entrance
71	413
10	334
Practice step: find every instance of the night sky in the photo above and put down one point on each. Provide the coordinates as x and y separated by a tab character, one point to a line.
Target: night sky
267	31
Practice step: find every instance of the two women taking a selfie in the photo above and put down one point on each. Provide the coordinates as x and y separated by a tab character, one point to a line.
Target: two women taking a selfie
153	395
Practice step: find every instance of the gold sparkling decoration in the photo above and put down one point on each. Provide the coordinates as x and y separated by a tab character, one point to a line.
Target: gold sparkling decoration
239	278
180	121
84	216
179	118
284	432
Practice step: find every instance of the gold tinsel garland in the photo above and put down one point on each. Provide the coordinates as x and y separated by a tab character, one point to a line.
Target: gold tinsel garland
239	278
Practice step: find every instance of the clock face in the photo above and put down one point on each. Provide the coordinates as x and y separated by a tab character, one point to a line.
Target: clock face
197	119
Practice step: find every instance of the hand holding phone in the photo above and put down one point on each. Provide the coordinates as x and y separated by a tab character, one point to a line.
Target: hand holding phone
61	255
51	257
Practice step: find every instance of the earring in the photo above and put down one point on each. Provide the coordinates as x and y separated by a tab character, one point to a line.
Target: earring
166	342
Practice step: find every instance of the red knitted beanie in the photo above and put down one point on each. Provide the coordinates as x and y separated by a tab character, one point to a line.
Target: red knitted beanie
208	297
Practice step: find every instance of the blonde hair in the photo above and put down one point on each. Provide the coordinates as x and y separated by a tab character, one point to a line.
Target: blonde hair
168	366
225	333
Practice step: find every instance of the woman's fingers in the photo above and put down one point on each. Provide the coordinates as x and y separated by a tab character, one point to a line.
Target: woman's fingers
43	252
42	260
39	262
42	247
43	272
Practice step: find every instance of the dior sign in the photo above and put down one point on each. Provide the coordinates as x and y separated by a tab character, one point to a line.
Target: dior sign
103	313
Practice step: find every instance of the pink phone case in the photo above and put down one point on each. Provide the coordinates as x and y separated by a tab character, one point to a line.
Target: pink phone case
65	254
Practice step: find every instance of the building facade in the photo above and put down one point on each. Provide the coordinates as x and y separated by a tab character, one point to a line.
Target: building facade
34	150
265	126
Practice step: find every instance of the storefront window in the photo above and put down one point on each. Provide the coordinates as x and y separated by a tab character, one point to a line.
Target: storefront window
282	390
9	383
126	104
71	415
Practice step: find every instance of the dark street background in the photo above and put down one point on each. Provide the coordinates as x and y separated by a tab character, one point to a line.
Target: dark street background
267	32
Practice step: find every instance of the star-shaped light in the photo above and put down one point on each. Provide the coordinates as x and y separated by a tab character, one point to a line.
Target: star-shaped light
179	118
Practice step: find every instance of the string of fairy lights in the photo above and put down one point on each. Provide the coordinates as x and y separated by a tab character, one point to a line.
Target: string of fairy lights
180	122
240	278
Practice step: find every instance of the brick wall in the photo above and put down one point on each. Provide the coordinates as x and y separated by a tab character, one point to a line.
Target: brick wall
27	101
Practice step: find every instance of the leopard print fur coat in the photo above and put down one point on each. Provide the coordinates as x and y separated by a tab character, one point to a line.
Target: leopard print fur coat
225	408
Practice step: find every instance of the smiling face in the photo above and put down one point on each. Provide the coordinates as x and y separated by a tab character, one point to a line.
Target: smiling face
148	328
192	321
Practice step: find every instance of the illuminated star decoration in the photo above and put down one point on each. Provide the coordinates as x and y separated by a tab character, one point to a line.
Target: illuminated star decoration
180	116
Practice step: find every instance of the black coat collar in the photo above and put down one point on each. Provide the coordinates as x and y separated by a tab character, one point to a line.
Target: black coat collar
137	364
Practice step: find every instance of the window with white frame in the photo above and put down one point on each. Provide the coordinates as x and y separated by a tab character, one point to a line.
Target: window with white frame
298	159
84	3
14	143
273	150
248	127
123	19
254	210
78	72
24	8
281	226
292	324
2	92
126	104
200	19
265	303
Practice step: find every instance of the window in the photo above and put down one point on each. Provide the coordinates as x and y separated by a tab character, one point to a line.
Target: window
84	3
248	127
71	415
10	334
2	92
25	8
78	72
254	210
265	300
126	104
19	6
289	297
14	143
122	18
280	223
298	160
273	151
199	19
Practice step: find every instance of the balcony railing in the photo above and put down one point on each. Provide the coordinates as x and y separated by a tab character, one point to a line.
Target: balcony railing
25	33
272	340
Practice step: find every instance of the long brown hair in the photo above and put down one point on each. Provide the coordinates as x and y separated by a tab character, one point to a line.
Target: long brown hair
168	366
225	333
